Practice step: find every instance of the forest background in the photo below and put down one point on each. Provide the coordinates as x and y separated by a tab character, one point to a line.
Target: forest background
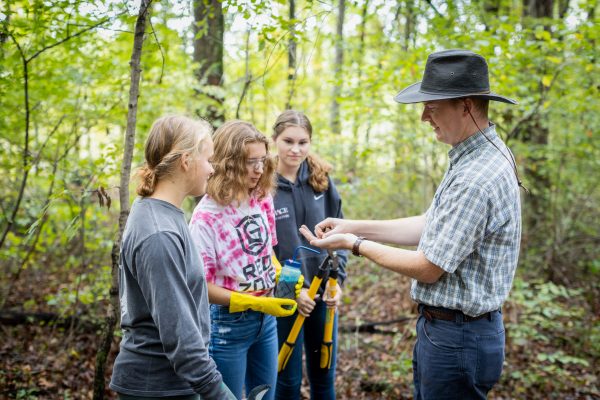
71	114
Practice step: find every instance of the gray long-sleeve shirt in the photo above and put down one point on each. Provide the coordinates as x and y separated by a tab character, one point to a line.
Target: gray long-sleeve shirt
164	307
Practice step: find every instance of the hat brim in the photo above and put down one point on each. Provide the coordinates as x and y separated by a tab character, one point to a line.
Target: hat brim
413	94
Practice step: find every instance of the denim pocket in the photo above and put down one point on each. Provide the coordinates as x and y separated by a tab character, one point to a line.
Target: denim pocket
445	335
490	357
222	315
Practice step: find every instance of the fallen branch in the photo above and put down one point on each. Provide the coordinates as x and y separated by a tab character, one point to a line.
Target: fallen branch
371	327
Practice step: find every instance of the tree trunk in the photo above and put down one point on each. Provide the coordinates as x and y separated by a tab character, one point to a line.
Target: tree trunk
535	134
3	33
134	90
26	154
538	8
409	26
291	56
338	63
353	159
591	18
208	53
563	8
247	79
490	8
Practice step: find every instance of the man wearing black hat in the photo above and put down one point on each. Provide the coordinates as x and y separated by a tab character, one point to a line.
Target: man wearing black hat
468	240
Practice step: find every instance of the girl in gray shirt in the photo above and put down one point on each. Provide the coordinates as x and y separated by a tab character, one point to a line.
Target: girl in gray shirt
162	288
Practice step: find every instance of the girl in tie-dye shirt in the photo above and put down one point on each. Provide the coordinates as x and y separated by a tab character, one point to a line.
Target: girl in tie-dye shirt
234	230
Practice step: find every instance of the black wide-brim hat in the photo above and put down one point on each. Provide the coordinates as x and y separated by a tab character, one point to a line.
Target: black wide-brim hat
452	74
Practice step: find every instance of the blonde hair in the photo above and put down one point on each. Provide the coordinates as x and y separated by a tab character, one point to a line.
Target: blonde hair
228	182
319	168
170	137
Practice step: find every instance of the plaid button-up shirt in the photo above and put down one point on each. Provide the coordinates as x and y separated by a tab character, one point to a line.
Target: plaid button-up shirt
473	229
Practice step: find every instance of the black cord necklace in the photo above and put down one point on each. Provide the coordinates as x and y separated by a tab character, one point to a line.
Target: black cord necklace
511	161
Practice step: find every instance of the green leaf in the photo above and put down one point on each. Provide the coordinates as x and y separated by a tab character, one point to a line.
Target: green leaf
547	80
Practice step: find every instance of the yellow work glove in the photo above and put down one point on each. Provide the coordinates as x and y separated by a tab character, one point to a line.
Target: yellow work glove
268	305
278	267
298	286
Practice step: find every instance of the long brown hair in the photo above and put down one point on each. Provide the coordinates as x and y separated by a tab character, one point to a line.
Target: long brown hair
170	137
319	168
228	182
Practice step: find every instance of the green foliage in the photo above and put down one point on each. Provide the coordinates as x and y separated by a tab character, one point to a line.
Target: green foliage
77	85
549	332
400	366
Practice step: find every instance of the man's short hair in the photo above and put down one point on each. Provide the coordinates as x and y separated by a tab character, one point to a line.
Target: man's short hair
480	106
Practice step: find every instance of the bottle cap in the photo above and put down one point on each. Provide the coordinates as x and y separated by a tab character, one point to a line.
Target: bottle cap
292	263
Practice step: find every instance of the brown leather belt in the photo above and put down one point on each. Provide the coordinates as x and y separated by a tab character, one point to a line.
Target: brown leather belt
447	314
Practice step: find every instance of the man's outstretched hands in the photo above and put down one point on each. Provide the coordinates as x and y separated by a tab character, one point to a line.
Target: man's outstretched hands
329	235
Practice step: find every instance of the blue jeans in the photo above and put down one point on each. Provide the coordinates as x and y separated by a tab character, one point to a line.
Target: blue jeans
457	359
322	381
244	347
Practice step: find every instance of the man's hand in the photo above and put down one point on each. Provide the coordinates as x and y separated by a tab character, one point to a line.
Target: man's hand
328	240
333	226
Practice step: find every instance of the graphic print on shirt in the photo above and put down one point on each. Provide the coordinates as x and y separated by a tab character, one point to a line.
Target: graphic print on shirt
255	275
235	243
254	236
282	213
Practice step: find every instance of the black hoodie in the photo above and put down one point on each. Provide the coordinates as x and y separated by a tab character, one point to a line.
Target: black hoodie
297	204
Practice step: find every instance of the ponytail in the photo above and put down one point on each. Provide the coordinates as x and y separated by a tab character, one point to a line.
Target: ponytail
319	173
147	178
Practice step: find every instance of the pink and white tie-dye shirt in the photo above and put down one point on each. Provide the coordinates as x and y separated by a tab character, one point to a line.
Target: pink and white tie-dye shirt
236	243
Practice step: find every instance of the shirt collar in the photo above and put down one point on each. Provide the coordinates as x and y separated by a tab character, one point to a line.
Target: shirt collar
472	142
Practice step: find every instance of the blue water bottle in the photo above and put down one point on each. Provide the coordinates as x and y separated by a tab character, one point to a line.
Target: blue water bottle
290	273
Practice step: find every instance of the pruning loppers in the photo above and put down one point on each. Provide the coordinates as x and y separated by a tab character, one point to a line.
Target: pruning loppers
288	346
327	345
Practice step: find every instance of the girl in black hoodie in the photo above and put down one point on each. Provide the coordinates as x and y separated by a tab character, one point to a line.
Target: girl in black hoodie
305	196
